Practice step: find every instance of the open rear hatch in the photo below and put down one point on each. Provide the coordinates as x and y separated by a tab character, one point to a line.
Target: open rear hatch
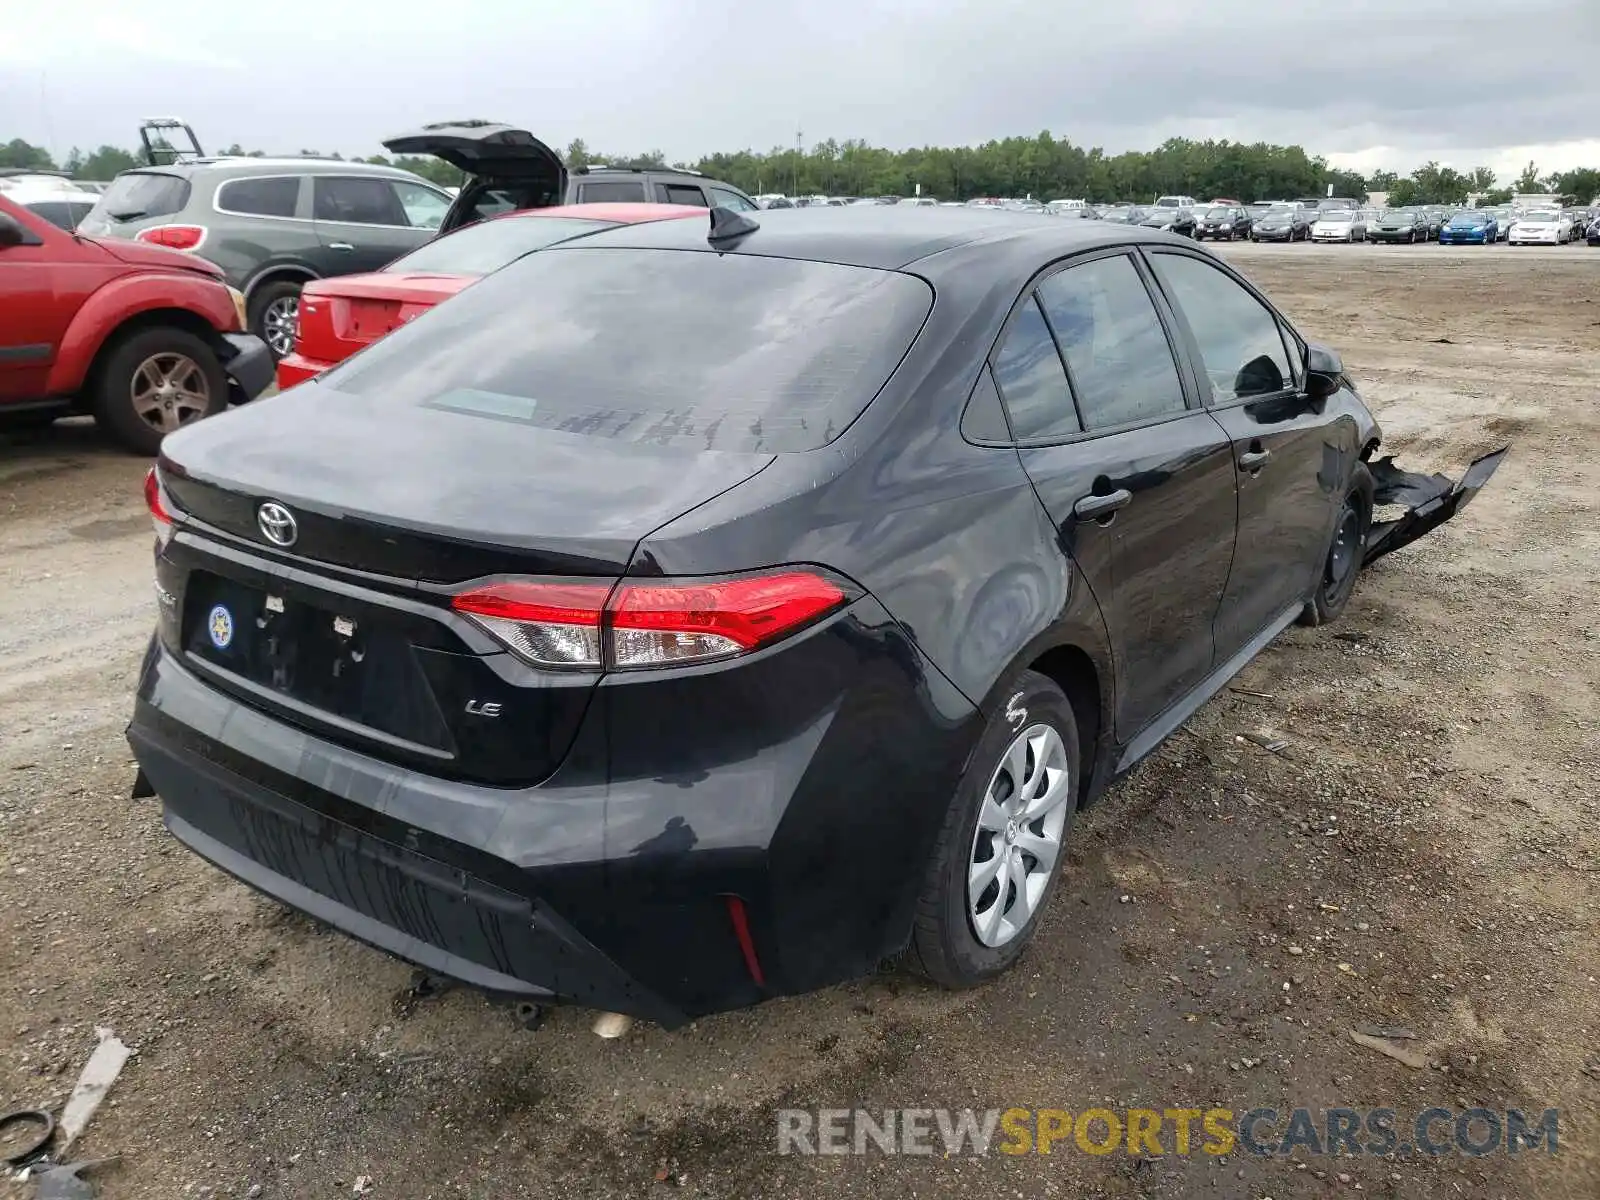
1429	500
334	612
491	155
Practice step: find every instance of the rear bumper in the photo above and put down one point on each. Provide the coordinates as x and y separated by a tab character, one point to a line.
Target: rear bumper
812	792
295	368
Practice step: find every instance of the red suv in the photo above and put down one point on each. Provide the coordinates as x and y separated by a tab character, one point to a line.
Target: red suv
144	338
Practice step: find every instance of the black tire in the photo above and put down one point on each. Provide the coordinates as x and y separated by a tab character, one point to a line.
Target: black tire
266	303
119	374
1342	564
944	944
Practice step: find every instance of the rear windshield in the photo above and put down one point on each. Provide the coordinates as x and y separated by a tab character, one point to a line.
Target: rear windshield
490	245
134	195
666	347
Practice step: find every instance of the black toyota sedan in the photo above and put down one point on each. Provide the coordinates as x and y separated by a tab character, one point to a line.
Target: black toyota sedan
1400	225
1289	223
705	611
1180	221
1223	222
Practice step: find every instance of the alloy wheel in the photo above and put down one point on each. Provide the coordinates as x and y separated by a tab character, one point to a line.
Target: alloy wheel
280	320
1019	834
169	390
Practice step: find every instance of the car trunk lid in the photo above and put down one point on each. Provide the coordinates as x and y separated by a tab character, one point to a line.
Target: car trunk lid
486	149
339	316
348	630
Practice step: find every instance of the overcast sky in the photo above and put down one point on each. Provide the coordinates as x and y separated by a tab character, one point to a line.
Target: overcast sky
1367	83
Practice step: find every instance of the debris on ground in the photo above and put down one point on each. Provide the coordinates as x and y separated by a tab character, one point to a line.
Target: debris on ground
1383	1046
26	1147
65	1182
99	1073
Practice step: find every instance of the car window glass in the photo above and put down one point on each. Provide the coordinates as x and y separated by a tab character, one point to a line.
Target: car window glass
424	208
64	214
612	191
1107	327
723	198
1033	384
135	195
681	193
357	201
1240	343
984	420
274	197
489	245
652	347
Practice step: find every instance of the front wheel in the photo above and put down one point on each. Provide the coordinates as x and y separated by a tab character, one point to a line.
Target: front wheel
1345	552
155	381
1001	847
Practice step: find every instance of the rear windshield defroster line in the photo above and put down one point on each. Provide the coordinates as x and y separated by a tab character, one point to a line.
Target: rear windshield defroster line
667	347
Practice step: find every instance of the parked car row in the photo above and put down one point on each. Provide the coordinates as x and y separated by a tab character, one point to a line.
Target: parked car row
274	225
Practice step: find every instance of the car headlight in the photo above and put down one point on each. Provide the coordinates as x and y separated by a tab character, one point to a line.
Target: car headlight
238	306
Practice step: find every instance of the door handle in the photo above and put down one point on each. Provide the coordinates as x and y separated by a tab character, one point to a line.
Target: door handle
340	246
1095	508
1254	460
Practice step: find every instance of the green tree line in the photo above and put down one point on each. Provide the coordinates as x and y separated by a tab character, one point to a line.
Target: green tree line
1044	166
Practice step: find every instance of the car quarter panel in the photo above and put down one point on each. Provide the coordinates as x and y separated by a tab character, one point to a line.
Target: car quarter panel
889	502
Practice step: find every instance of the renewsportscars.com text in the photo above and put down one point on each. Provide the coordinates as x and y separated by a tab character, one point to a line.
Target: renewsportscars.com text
1162	1131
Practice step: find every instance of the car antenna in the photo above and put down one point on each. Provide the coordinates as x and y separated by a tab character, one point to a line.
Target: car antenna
729	226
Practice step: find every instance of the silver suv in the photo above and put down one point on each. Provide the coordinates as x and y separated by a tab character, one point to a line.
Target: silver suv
273	224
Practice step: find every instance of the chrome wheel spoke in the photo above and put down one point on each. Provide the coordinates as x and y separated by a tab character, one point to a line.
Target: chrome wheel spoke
1043	850
1022	900
1050	796
991	817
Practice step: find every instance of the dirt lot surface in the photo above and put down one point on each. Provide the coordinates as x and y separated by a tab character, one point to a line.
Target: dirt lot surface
1422	853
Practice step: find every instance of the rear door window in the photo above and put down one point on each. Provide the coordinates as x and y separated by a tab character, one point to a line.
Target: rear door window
274	197
424	208
357	201
681	193
1028	371
612	191
63	214
136	195
656	347
1116	348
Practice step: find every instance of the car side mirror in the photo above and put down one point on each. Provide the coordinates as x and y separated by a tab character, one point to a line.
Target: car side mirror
11	232
1324	372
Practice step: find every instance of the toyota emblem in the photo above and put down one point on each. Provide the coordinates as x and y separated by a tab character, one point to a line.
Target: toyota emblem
277	524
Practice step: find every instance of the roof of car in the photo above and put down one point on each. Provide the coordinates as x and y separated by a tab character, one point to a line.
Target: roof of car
622	214
886	237
247	165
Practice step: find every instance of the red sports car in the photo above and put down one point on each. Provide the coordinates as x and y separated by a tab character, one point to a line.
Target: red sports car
339	316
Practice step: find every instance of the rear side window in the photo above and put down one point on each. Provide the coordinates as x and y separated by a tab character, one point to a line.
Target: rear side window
612	191
275	197
681	193
1031	381
357	201
135	195
1116	349
1239	339
657	347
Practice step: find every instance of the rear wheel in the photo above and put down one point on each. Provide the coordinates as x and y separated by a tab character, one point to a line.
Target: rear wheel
1000	850
275	314
154	381
1343	561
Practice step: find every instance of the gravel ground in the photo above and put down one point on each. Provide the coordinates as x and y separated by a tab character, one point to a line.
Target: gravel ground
1421	853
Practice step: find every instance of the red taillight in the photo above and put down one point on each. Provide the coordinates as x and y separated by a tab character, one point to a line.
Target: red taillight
156	501
174	237
655	624
548	624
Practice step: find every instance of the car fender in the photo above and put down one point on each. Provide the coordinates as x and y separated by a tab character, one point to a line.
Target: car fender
125	298
270	272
